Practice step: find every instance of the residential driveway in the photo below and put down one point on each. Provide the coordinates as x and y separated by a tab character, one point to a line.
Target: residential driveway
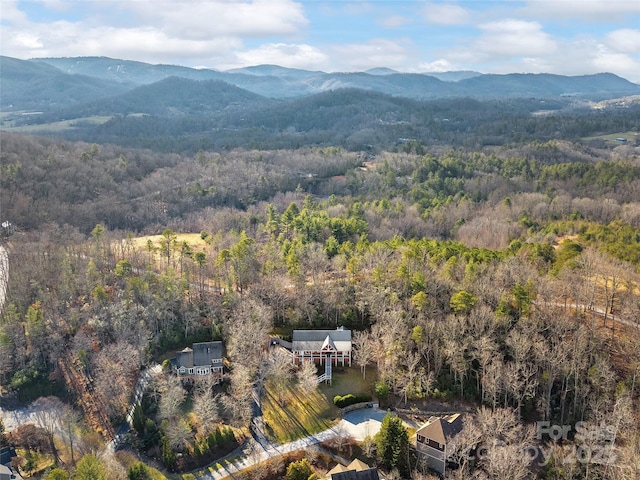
357	424
361	423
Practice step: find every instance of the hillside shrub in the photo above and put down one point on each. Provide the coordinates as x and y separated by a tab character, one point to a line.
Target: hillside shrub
350	399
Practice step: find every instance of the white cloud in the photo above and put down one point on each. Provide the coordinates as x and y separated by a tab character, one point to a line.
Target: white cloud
440	65
511	37
201	20
593	10
377	52
145	44
24	41
11	14
394	21
446	14
286	55
625	40
580	56
151	31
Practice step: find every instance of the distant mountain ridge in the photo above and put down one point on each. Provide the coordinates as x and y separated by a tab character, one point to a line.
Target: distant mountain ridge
277	82
166	107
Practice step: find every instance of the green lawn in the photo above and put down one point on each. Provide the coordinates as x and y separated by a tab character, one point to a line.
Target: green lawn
348	380
303	415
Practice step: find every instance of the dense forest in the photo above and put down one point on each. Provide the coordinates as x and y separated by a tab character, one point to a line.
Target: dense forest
493	268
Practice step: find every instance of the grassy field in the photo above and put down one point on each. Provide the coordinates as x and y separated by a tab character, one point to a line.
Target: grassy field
56	126
629	136
193	239
304	415
195	242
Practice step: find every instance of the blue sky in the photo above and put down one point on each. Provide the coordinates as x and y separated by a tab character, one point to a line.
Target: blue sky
569	37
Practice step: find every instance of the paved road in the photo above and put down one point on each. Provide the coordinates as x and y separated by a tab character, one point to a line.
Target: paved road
357	424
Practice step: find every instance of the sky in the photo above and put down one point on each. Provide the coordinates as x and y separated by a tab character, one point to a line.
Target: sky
567	37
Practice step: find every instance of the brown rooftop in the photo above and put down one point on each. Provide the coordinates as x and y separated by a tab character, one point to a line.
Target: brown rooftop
441	428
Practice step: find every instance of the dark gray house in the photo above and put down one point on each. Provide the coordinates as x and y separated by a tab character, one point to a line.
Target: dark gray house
432	438
205	358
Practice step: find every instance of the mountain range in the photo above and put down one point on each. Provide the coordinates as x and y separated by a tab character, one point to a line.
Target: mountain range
173	108
46	83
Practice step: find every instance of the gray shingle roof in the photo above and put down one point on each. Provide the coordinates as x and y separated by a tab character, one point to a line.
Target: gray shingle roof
201	354
204	352
370	474
185	358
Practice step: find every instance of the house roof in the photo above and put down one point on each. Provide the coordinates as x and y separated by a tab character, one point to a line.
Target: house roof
339	468
185	358
6	454
328	344
368	474
441	428
358	465
202	354
357	470
314	340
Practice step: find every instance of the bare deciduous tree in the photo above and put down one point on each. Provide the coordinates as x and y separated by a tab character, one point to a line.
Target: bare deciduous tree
116	369
279	372
178	433
47	412
363	350
205	405
237	401
172	396
69	421
247	331
308	377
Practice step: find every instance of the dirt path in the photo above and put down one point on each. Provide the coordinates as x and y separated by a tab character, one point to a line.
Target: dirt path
4	275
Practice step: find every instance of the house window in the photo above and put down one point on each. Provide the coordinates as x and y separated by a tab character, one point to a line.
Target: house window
434	444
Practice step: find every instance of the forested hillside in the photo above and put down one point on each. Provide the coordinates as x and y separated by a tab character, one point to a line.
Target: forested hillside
468	274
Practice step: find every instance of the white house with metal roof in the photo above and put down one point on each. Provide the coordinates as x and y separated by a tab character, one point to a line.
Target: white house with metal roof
320	346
